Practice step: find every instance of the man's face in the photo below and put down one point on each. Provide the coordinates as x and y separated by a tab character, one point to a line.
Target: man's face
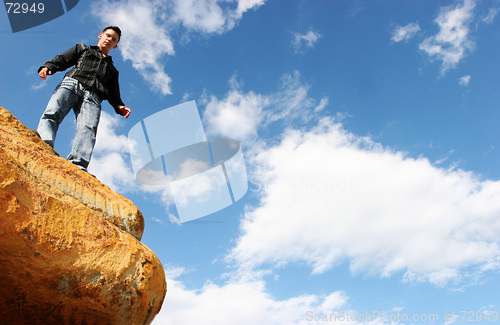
108	40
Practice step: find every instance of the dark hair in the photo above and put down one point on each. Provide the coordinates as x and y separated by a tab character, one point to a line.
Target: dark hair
116	29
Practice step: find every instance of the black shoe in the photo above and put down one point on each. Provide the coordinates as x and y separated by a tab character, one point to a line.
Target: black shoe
85	170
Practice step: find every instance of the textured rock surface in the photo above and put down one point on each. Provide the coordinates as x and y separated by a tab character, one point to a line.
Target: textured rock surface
69	248
35	156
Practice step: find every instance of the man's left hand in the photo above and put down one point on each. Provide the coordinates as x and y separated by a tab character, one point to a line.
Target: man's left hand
125	111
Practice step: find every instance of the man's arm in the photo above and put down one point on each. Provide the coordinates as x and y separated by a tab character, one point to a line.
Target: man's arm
115	99
62	61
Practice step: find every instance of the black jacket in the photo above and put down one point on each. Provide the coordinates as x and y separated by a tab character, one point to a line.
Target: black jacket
92	70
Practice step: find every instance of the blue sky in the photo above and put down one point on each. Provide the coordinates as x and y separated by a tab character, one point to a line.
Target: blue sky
370	134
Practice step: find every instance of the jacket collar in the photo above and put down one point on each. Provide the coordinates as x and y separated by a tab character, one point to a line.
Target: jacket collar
96	48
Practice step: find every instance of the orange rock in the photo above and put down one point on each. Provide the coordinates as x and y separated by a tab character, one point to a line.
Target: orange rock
69	248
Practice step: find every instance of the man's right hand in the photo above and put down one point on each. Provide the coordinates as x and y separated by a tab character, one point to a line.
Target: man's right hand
44	72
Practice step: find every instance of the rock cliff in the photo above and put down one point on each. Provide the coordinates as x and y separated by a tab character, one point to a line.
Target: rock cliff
70	250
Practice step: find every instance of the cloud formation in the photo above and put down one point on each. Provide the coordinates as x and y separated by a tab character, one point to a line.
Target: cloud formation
490	17
405	33
210	16
307	39
242	114
335	197
241	301
237	115
145	37
110	163
465	80
147	27
452	43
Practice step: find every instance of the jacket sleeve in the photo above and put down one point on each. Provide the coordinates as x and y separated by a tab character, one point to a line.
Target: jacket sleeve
114	95
65	60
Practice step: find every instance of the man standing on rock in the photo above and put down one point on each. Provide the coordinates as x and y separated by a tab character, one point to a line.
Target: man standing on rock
93	79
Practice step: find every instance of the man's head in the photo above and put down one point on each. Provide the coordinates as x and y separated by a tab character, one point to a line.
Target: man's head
109	39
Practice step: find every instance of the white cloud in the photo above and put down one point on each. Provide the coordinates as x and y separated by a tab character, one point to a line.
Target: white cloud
210	16
245	5
111	164
322	104
241	115
292	101
145	38
39	85
109	161
198	189
405	33
237	115
201	15
146	26
452	43
107	139
490	17
445	158
335	197
465	80
308	39
239	301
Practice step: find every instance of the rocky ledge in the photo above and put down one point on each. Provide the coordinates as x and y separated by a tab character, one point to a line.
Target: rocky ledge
70	250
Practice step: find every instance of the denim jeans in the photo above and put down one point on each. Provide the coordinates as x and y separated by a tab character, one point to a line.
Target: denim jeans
70	94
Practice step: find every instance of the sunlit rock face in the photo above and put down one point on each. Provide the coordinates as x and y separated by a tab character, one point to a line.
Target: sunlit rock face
69	246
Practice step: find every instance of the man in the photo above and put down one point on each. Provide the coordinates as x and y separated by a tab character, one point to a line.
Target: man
93	79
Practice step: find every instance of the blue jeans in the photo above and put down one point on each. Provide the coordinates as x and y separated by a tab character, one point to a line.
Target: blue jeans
68	95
